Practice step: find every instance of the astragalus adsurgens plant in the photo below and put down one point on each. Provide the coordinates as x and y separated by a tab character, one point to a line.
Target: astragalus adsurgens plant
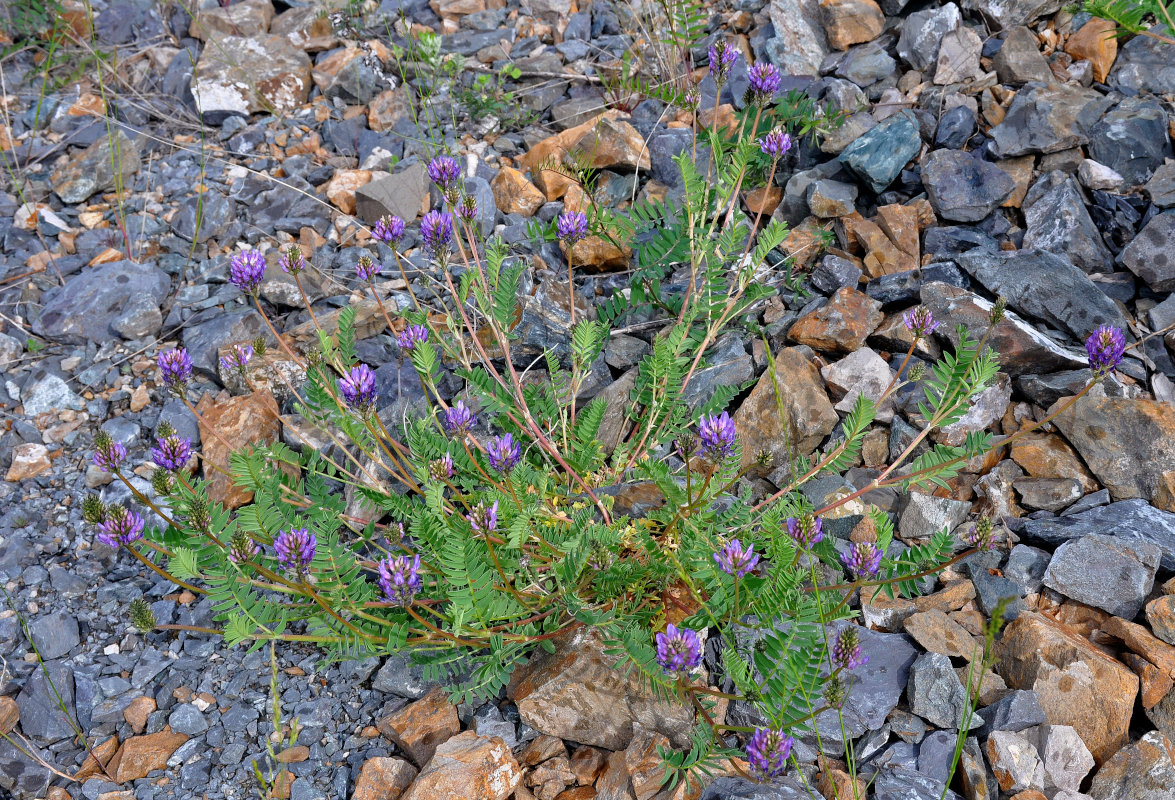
496	522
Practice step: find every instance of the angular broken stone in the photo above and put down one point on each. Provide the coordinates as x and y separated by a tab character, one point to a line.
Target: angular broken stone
468	765
243	75
1112	574
94	169
963	188
810	414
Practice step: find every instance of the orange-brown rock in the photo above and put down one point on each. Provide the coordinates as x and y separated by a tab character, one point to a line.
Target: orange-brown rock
328	69
612	144
804	243
383	778
1020	171
452	9
1097	42
882	255
238	421
587	763
810	415
420	727
1164	494
29	459
594	253
951	598
98	758
9	714
387	108
938	633
836	782
646	770
514	194
1155	682
139	755
540	749
340	189
900	223
274	371
1160	613
1046	455
723	116
763	200
293	755
468	766
841	325
850	22
137	712
245	18
1076	683
306	29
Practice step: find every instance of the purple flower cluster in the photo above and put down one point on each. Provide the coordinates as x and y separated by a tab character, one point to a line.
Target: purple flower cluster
411	336
442	468
237	359
776	143
246	269
244	550
175	367
458	419
109	456
388	229
920	322
436	231
358	388
716	434
765	82
679	650
121	526
722	58
366	269
767	753
846	652
467	208
806	530
483	518
292	260
295	548
503	453
172	452
571	226
399	579
735	559
444	171
1105	347
862	559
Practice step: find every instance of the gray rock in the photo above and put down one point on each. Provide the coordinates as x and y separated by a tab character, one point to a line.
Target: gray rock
401	677
400	194
1019	60
935	692
902	783
835	273
828	198
936	755
878	155
1131	520
203	217
926	515
1058	223
487	209
800	43
93	170
1142	770
54	635
1144	65
1151	255
186	718
1161	187
990	590
663	148
1047	119
1026	566
47	391
963	188
1065	757
955	127
742	789
958	57
98	300
1046	286
1006	13
866	64
22	774
1132	139
40	715
1016	711
1107	572
208	330
922	32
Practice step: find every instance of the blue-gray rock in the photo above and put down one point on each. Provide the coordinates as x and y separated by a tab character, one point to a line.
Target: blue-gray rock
828	198
935	692
54	635
1144	64
208	330
94	304
1047	119
93	170
922	32
1019	60
1161	187
936	755
1006	13
399	194
866	64
835	273
22	775
1151	254
962	187
663	148
487	208
48	391
203	217
186	718
955	127
991	589
401	677
1132	139
125	22
902	783
742	789
122	430
1026	566
41	716
1046	286
1015	711
180	417
878	155
904	288
1058	223
1106	572
926	515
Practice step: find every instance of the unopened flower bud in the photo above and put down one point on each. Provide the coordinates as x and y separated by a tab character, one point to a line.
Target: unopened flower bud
259	346
93	509
917	372
199	516
165	429
764	458
162	482
997	310
141	615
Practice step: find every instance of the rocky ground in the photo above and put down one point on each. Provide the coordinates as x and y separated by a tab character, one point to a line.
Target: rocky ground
1000	147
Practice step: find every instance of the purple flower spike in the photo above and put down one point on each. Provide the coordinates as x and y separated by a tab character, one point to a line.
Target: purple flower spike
239	553
172	452
444	171
722	58
776	143
846	653
436	230
366	269
246	270
441	468
467	208
389	229
806	531
175	367
920	322
358	388
1105	347
411	336
735	559
292	261
399	579
503	453
571	226
122	526
767	752
458	419
863	560
237	359
679	650
765	81
717	435
484	519
295	548
110	457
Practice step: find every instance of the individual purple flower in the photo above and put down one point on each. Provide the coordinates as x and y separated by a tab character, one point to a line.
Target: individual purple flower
243	550
920	322
366	268
765	81
358	388
441	468
436	231
292	260
467	208
679	650
237	359
735	559
175	367
722	58
805	530
767	753
776	143
444	171
399	579
1105	347
483	518
411	336
458	419
246	269
388	229
503	453
172	452
716	434
295	548
846	652
109	455
121	526
571	226
862	559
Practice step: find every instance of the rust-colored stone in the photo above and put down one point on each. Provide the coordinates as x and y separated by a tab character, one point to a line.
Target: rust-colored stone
809	413
137	712
1140	640
139	755
468	766
645	767
1097	42
841	325
388	108
383	778
901	225
1160	613
514	194
340	189
1046	455
1155	682
237	422
587	763
1020	171
850	22
29	459
763	200
420	727
9	714
804	243
613	144
951	598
